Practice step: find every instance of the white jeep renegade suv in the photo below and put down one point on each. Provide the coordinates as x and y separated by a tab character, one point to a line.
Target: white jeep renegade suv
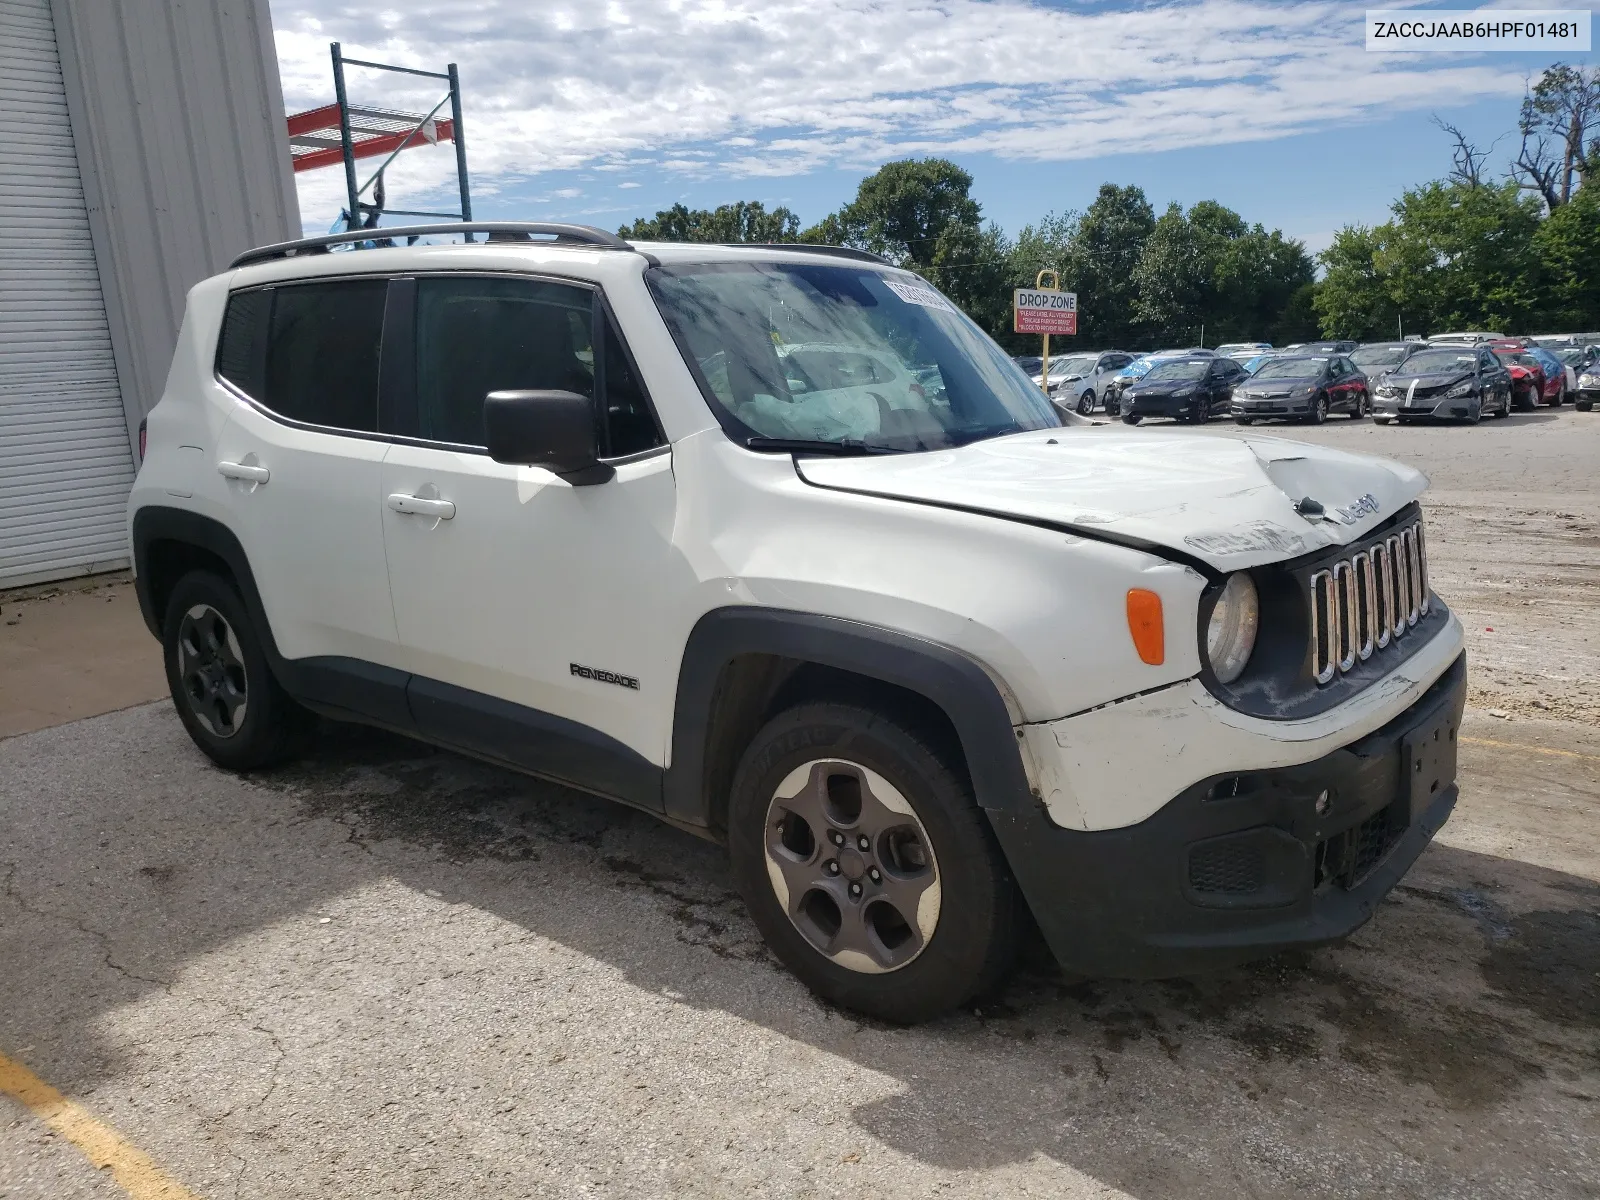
774	543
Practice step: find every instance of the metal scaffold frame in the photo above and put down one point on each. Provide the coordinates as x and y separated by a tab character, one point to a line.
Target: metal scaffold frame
341	133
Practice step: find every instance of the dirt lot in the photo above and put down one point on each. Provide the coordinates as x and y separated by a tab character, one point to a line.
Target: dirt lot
388	970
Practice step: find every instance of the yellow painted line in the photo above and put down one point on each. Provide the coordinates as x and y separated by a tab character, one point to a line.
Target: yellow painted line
102	1145
1475	741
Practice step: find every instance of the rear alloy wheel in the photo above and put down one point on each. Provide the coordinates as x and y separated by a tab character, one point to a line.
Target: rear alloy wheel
867	865
1086	403
221	685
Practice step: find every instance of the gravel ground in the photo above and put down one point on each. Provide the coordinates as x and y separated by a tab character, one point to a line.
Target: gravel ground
387	970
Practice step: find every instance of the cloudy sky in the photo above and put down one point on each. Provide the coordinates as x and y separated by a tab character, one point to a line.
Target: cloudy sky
604	110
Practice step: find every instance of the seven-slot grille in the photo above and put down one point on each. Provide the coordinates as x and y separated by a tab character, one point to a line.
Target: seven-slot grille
1361	604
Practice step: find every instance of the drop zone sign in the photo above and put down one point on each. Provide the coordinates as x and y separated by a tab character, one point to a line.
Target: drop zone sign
1040	310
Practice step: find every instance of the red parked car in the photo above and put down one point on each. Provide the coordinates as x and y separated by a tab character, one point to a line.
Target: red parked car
1529	383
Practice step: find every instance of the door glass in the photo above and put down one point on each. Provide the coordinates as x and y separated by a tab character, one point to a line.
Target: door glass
322	352
630	424
476	336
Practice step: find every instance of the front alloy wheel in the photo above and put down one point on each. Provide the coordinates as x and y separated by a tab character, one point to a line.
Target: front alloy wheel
1319	408
866	863
1086	403
852	866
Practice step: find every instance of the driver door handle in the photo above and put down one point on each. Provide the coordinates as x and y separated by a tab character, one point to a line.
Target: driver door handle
420	506
233	470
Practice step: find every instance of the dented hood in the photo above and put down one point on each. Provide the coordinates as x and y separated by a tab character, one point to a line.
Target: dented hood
1227	501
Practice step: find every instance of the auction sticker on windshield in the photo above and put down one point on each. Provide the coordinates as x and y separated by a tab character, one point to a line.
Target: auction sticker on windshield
1041	310
913	294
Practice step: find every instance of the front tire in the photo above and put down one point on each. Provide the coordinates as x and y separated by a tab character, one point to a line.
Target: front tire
1131	418
1086	404
1360	410
867	865
222	687
1319	409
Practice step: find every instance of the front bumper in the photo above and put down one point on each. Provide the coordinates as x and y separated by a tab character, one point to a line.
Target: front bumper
1453	408
1243	864
1286	406
1158	406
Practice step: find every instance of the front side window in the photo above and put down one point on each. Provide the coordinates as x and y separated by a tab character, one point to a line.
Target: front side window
482	335
818	352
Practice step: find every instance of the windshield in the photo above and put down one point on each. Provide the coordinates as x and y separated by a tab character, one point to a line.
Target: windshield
1072	366
1291	368
1379	356
818	352
1430	362
1190	368
1573	356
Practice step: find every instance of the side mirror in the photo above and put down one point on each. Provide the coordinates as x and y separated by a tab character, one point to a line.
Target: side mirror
554	430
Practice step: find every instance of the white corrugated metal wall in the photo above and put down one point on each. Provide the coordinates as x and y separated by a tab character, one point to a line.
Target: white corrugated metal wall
65	462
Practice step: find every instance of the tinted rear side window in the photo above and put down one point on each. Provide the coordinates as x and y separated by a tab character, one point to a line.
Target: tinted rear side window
242	344
322	353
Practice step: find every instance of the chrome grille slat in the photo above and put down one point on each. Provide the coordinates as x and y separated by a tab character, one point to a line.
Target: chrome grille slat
1362	604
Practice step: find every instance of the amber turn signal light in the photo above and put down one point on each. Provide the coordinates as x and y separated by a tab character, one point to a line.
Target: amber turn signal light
1145	624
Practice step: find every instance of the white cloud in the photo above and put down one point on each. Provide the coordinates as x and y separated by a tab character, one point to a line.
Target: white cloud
780	87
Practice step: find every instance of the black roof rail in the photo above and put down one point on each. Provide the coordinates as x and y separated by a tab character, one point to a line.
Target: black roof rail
549	232
812	248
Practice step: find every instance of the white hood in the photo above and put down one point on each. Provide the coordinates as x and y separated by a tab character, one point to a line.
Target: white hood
1227	501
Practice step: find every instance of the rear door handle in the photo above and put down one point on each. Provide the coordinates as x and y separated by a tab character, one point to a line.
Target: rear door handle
420	506
233	470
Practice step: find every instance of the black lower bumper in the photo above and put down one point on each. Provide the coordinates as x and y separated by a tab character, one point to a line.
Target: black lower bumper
1240	866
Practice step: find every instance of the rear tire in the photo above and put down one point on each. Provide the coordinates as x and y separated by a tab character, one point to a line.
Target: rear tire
822	771
222	687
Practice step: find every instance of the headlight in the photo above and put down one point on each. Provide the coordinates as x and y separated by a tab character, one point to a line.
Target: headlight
1465	388
1231	636
1589	380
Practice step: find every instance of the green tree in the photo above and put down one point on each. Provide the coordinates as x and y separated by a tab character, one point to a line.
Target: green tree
918	214
1354	300
1101	259
1175	278
1454	256
744	221
1568	245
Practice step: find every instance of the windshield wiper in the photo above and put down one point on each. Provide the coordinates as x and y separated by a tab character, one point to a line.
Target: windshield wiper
842	447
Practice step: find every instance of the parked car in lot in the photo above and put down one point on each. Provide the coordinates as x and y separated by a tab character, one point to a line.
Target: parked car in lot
1463	339
1529	382
1560	380
1377	359
1300	388
1588	386
556	504
1079	380
1138	369
1185	389
1450	382
1254	363
1341	346
1030	363
1243	350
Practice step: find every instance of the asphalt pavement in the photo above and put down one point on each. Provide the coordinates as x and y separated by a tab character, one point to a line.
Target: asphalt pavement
388	970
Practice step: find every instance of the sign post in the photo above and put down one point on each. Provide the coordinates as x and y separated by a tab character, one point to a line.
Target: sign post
1045	310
